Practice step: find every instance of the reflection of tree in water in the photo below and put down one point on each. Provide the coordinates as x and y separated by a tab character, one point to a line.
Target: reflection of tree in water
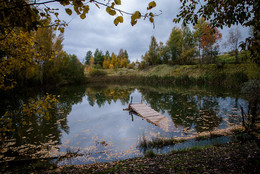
108	94
208	118
32	129
186	110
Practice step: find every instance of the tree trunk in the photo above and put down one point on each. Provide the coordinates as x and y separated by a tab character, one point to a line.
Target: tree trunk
237	61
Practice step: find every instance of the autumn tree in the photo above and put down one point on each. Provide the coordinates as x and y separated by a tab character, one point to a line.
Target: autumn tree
220	14
122	58
29	14
17	52
113	61
56	67
106	63
206	38
44	38
209	39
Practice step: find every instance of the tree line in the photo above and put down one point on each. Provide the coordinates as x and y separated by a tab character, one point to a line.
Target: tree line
184	45
100	60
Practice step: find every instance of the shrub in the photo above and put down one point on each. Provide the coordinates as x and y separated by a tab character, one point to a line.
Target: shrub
131	65
97	72
238	78
142	65
149	154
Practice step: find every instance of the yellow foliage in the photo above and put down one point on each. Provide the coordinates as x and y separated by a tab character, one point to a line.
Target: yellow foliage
18	52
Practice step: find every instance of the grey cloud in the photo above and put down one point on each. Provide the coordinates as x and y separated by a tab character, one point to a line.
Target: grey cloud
99	31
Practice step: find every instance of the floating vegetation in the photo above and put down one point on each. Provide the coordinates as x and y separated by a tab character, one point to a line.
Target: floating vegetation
161	141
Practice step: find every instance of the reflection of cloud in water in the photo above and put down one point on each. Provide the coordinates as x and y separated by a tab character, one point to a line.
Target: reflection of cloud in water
106	132
108	124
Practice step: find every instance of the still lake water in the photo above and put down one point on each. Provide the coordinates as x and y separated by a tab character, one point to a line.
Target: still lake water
90	120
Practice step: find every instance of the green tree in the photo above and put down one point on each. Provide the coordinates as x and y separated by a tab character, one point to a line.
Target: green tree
126	56
175	44
153	52
107	55
199	28
188	46
88	57
99	58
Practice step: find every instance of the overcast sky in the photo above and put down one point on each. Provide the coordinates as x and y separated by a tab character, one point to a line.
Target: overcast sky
97	30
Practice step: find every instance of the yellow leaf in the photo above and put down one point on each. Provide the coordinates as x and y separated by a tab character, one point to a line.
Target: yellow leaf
64	3
133	22
76	10
151	5
118	2
83	16
136	15
151	19
24	122
120	19
116	22
68	11
61	30
85	9
110	11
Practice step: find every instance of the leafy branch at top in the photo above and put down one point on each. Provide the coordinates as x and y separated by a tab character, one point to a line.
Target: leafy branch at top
28	14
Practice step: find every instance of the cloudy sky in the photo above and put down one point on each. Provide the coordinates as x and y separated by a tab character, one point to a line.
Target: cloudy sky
97	30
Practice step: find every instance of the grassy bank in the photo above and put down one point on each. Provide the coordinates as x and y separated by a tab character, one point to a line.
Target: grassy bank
228	75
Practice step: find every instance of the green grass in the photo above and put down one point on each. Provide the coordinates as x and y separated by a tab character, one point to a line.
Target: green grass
226	58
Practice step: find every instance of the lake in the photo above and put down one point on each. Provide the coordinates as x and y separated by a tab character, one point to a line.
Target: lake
88	122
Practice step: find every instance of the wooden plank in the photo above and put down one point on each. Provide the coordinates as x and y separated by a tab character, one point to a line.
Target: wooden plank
153	116
150	115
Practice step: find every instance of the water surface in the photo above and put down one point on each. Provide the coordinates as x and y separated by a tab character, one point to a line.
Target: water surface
90	120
